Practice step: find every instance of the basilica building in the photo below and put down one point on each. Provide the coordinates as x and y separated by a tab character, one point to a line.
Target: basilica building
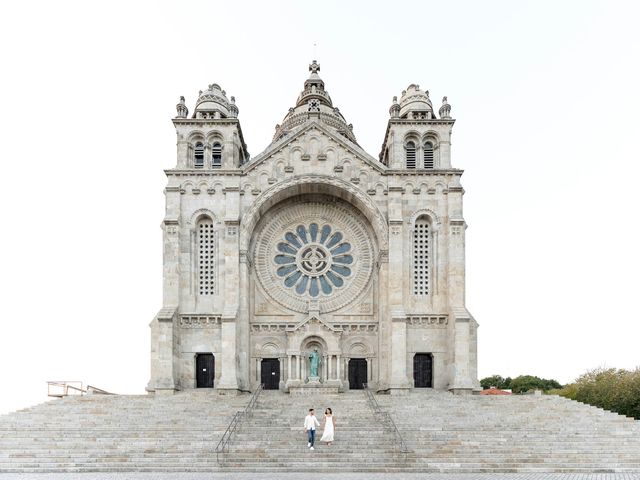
313	248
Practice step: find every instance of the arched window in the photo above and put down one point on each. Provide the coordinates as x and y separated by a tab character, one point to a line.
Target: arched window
216	155
198	156
421	256
411	154
428	155
207	260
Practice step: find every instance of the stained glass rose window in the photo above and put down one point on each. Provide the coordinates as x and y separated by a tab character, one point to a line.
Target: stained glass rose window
313	259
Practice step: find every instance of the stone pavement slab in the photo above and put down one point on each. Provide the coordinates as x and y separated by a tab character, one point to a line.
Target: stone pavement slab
319	476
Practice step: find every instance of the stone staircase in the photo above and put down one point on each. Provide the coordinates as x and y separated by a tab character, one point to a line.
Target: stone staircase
274	439
104	433
472	434
179	433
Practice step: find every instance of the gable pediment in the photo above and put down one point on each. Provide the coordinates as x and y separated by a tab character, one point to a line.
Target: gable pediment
314	323
303	141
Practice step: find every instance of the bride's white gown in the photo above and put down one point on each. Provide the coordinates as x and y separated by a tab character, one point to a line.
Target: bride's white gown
327	435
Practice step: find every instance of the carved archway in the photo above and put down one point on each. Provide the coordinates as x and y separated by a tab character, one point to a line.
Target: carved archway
314	184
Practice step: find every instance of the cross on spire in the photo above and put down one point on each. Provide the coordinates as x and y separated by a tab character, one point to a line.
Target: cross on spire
314	67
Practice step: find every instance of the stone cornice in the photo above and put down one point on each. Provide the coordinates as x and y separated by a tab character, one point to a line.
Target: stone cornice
205	121
428	173
198	172
422	121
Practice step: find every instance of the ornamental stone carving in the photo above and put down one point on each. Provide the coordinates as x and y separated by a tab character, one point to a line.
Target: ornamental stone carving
292	186
313	251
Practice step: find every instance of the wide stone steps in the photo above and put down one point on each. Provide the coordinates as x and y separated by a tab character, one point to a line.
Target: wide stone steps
445	433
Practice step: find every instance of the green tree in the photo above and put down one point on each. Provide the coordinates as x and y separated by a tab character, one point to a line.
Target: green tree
495	381
524	383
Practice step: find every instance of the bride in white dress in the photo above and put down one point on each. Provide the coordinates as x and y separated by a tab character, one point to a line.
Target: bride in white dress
329	425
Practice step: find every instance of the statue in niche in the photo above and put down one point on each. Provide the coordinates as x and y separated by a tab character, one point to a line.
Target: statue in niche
314	363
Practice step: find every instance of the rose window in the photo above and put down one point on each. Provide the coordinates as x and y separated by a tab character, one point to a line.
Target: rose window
313	260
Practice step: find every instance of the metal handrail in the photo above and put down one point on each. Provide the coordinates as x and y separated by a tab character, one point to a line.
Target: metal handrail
66	385
92	389
377	409
225	441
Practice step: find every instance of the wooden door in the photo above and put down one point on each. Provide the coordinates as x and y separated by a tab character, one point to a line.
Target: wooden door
357	373
423	370
205	370
270	373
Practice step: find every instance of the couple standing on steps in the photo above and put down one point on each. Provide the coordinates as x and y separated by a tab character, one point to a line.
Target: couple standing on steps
311	422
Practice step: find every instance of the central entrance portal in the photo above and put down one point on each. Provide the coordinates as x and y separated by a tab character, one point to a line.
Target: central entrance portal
205	370
357	373
270	373
423	370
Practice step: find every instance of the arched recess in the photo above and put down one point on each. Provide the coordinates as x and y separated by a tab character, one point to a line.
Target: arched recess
271	347
314	184
357	347
425	212
313	341
200	213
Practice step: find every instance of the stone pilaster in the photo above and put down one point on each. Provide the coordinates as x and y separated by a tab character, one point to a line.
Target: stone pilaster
398	375
229	377
384	319
243	324
171	248
399	379
462	381
230	328
162	380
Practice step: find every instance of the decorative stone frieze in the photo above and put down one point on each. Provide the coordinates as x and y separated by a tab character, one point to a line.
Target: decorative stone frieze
433	321
200	321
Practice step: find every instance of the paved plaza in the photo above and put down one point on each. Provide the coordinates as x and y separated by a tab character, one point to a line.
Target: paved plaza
319	476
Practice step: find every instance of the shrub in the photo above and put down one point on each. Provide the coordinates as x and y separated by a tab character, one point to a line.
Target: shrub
613	389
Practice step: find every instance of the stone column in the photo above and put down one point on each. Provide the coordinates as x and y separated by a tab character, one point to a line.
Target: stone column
345	369
281	382
325	369
303	366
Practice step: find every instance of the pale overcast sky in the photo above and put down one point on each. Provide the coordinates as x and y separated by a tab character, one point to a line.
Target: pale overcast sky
546	97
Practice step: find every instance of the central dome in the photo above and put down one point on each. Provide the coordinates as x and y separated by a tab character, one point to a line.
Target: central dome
314	102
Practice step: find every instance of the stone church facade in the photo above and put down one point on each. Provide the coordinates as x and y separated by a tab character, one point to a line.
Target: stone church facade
313	245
